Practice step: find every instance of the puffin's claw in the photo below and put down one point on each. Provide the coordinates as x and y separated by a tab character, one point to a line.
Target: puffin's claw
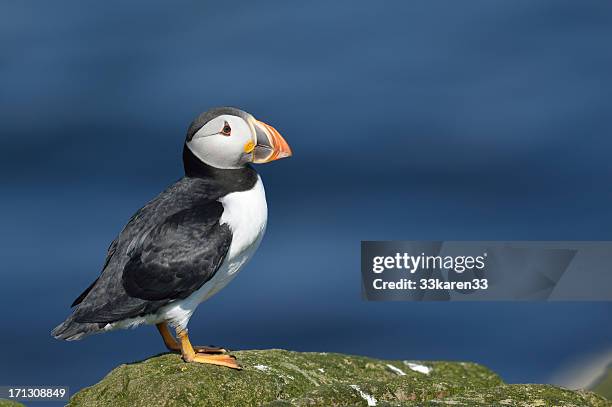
209	349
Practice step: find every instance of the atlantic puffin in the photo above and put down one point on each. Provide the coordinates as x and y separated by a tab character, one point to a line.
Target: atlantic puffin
190	241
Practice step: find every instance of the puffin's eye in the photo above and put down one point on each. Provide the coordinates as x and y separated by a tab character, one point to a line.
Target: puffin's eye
227	130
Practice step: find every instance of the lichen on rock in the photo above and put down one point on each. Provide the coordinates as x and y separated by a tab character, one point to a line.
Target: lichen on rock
10	403
282	378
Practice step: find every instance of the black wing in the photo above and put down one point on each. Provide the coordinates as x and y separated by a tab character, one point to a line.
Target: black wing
109	255
178	256
170	262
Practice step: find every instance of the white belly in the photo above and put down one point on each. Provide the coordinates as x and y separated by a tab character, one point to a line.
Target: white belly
246	214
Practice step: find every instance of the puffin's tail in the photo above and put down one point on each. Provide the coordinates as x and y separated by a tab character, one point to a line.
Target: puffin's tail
70	330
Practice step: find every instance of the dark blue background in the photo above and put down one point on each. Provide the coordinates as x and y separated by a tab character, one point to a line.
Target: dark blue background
408	120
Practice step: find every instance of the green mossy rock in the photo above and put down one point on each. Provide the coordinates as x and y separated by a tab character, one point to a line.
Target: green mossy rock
10	403
278	378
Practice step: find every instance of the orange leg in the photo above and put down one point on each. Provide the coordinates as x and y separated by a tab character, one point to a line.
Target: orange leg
174	346
189	354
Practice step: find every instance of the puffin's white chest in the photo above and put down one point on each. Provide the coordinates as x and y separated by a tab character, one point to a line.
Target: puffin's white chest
246	214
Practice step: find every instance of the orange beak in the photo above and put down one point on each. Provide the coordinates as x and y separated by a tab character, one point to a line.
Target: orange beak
270	144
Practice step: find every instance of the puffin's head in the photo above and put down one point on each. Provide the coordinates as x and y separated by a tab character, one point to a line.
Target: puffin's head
229	138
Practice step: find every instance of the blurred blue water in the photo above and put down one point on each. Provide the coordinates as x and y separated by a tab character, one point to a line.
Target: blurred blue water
408	120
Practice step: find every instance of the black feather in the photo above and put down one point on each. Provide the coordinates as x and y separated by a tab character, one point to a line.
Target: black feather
81	297
177	257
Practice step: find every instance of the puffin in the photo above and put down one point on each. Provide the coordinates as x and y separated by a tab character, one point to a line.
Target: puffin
189	242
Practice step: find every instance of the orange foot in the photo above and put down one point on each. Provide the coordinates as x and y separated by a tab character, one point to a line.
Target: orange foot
174	346
189	354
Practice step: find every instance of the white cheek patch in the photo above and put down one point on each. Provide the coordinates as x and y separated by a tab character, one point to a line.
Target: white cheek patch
219	150
213	150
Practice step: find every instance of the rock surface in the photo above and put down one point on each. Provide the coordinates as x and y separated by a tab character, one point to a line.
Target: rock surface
603	386
279	378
